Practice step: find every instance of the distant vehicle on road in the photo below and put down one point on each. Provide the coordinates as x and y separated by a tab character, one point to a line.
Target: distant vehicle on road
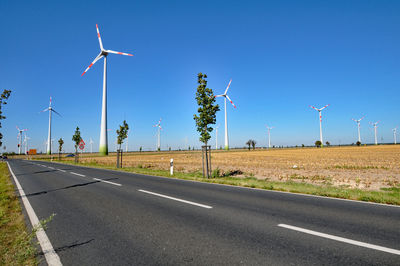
70	155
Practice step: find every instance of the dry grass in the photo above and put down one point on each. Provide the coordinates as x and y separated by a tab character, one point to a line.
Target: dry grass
370	167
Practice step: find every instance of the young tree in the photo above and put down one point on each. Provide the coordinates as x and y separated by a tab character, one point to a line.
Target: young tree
328	143
318	143
253	144
358	143
206	115
207	109
140	149
3	101
122	133
60	144
248	143
76	138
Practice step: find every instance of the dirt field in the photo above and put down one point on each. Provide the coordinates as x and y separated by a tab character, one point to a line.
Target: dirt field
370	167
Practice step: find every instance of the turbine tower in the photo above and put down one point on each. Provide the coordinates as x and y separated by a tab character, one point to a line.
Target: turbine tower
158	125
19	138
91	145
320	122
269	135
394	135
103	149
358	127
375	125
50	109
216	137
225	95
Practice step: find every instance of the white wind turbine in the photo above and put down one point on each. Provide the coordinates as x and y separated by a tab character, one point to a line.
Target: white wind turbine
26	138
103	149
50	109
394	134
225	95
269	135
19	138
91	145
375	125
320	122
158	125
358	127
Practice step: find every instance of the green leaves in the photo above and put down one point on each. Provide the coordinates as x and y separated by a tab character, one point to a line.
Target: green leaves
61	143
3	100
77	137
122	133
207	110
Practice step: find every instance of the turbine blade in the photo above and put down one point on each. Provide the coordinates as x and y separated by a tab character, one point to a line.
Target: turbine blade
219	96
94	61
55	112
228	87
230	101
114	52
313	107
98	35
361	118
324	107
44	110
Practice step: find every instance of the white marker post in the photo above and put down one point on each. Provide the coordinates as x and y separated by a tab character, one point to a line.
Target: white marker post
171	164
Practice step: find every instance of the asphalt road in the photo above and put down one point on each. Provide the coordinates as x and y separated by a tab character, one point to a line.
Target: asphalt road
143	220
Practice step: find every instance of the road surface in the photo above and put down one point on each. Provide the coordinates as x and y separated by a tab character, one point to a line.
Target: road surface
113	218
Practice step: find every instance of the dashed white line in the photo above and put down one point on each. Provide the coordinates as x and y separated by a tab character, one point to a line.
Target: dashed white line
341	239
51	167
49	253
62	170
77	174
180	200
108	182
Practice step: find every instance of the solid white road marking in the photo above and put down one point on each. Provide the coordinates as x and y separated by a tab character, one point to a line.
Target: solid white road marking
62	170
77	174
51	256
108	182
172	198
51	167
341	239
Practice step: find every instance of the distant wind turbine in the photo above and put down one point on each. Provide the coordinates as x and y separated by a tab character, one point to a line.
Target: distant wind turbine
91	145
26	143
158	125
103	149
269	135
320	122
358	126
375	125
394	134
19	137
50	109
225	95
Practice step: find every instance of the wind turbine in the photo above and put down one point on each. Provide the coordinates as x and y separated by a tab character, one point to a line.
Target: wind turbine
158	125
375	126
19	137
394	135
269	135
320	122
50	109
358	126
103	149
216	137
91	145
225	95
26	138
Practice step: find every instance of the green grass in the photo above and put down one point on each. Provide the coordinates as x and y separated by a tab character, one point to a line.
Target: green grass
358	167
16	247
385	195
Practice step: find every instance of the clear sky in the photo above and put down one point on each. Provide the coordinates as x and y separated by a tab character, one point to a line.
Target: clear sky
282	57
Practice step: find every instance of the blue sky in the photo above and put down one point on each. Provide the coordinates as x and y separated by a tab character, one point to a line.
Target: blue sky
281	55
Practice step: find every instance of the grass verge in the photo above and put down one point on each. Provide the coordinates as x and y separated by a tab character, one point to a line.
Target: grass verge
16	247
386	195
